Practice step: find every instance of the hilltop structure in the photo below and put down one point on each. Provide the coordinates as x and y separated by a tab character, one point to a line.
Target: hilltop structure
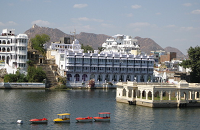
13	51
119	61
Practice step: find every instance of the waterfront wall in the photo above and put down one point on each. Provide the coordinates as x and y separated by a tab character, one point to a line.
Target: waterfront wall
22	85
85	85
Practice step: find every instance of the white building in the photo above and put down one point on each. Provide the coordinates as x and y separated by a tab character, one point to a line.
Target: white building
13	51
118	62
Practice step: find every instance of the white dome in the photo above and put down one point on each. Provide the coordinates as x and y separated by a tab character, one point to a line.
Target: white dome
76	41
104	44
137	46
22	36
114	44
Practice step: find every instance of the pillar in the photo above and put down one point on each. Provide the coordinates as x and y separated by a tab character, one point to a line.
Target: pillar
146	95
103	77
138	78
132	94
179	96
145	78
190	94
111	76
152	95
136	94
195	95
127	91
118	77
88	76
125	76
73	77
169	95
184	96
161	95
132	77
96	77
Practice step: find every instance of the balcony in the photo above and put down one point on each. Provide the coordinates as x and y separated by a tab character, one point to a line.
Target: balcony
21	60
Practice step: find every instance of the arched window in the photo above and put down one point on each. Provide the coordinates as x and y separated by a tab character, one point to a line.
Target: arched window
8	49
4	42
77	77
4	50
144	94
69	77
124	92
84	77
8	42
0	41
150	95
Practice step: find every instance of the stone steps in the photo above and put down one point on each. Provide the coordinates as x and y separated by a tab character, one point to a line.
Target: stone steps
51	78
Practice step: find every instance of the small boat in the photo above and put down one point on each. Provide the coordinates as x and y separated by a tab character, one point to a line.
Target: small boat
84	119
38	121
103	116
62	118
19	122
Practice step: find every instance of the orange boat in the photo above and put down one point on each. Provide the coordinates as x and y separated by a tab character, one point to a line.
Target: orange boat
84	119
103	116
38	121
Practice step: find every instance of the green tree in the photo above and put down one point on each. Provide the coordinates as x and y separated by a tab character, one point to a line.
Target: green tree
194	63
38	42
30	63
100	48
62	80
35	74
10	78
86	48
17	77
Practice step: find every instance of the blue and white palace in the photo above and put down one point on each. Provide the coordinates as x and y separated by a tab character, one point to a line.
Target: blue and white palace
121	60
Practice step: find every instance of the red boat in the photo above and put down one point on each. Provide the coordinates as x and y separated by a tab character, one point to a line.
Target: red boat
103	116
38	121
84	119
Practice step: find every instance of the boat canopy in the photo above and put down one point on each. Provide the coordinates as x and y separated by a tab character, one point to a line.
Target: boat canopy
104	112
63	114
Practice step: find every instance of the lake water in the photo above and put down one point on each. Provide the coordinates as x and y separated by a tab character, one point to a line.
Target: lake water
26	104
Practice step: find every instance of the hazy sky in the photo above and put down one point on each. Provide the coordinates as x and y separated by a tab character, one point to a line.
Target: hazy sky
174	23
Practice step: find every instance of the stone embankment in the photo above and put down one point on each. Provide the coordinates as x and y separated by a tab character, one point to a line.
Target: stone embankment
22	85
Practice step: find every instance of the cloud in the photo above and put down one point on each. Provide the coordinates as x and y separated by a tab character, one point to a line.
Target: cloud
170	26
137	29
129	15
135	6
9	23
88	19
80	5
158	13
140	24
78	27
180	40
196	11
187	28
41	23
187	4
107	25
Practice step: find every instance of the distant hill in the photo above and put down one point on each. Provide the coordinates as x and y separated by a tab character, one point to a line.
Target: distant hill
179	54
147	45
55	34
95	40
